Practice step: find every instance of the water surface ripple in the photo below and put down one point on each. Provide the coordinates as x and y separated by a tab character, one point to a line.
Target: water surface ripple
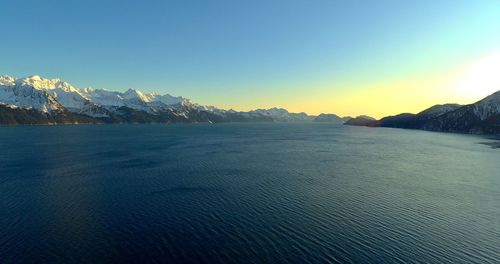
247	193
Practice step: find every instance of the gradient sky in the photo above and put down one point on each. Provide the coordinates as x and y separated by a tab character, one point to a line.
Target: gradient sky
346	57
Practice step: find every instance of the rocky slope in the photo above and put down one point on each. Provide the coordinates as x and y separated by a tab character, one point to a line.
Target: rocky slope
482	117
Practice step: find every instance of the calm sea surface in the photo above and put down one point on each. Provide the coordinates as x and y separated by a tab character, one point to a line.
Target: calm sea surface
246	193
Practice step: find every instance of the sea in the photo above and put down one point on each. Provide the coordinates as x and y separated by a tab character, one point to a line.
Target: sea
247	193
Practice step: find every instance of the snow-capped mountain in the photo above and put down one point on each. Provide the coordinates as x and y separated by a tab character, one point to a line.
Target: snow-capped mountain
480	117
36	100
135	99
49	95
281	115
16	93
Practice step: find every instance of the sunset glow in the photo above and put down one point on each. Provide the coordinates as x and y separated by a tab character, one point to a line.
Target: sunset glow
480	78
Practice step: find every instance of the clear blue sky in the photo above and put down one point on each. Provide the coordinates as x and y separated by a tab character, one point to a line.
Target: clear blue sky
242	53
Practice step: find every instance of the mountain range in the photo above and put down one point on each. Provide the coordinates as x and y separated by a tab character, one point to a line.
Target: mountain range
36	100
482	117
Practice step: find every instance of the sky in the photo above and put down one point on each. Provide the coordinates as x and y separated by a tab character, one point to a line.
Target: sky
323	56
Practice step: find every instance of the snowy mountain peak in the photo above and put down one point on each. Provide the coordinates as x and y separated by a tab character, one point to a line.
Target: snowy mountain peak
40	83
132	94
78	100
23	96
7	80
34	77
271	111
87	90
169	99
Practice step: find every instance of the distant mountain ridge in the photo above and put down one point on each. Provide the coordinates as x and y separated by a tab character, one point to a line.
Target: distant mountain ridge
482	117
331	118
361	120
36	100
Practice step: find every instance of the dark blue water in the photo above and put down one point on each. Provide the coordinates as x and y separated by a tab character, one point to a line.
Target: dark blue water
246	193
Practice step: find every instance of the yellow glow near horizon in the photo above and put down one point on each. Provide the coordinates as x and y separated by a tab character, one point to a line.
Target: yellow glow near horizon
383	99
465	84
